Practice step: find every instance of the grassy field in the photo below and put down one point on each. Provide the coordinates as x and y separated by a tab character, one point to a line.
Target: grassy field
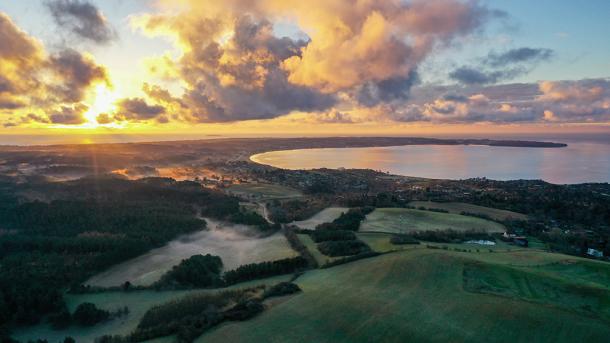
459	207
235	244
137	301
401	220
426	295
263	191
380	242
327	215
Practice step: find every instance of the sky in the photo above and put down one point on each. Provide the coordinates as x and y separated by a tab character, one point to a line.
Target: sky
323	67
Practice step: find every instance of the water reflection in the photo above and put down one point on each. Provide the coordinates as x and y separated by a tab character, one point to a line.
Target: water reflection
578	163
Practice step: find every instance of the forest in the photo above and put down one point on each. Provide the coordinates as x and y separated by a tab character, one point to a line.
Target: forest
84	227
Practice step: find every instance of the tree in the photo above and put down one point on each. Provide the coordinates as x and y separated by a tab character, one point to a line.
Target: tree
87	314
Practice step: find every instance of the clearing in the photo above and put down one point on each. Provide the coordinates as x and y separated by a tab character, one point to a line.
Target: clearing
263	191
235	244
327	215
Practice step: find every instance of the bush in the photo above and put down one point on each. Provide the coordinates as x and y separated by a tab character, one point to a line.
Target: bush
343	248
87	314
332	235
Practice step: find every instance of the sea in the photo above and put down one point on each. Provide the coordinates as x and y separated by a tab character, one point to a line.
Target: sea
584	160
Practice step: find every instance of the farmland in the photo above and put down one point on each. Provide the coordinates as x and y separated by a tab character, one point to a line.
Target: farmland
402	220
459	207
263	191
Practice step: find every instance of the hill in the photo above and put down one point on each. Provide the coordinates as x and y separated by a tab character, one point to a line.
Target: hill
439	296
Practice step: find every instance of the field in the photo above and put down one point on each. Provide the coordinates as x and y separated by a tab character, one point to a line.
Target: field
235	244
137	301
380	242
440	296
327	215
459	207
401	220
263	191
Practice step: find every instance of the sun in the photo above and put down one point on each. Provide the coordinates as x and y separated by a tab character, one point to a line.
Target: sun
104	100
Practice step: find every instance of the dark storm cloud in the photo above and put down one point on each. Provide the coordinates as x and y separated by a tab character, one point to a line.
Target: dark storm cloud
83	19
137	109
520	55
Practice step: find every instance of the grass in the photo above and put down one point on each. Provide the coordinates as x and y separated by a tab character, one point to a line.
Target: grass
327	215
423	295
235	244
402	220
459	207
137	301
263	191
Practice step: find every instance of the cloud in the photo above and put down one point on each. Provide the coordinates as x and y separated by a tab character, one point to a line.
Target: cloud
69	115
236	68
519	55
76	73
240	79
137	109
389	90
584	101
497	67
473	76
44	84
82	19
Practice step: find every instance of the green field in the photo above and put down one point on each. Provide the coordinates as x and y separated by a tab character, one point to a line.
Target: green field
327	215
263	191
459	207
423	295
402	220
138	302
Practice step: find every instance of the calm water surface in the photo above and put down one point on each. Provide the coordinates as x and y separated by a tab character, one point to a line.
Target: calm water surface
577	163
